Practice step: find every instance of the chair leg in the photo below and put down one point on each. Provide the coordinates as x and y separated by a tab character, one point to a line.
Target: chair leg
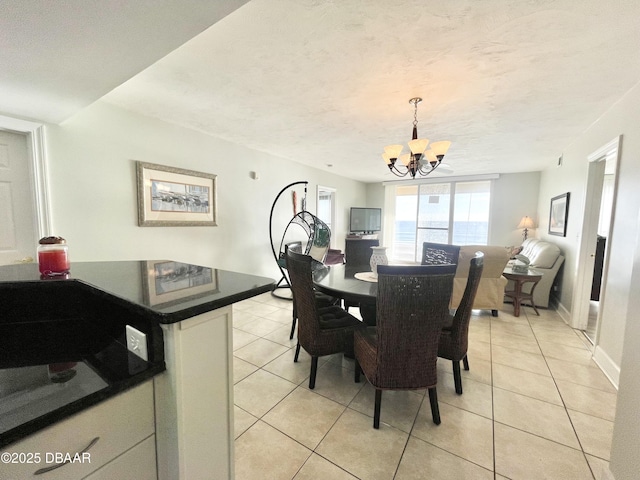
457	378
465	362
295	357
293	323
435	411
494	313
376	409
357	372
293	328
314	370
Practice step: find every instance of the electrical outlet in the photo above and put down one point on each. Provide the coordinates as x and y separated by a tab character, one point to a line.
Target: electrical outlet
137	342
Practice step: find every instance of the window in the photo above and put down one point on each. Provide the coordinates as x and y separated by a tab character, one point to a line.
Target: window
452	212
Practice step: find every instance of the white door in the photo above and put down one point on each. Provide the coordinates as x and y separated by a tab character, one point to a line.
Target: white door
18	238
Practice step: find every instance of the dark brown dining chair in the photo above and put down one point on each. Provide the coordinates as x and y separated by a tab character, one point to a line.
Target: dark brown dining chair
401	352
357	254
454	338
439	254
322	299
321	330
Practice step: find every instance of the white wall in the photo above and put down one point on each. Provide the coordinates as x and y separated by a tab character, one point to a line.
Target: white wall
94	203
625	463
513	196
621	119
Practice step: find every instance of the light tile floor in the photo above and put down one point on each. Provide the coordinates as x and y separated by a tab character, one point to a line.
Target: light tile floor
534	406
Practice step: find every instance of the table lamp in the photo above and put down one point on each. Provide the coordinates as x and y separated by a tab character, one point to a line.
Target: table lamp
526	223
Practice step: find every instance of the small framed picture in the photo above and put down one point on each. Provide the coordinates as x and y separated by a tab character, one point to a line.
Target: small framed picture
558	215
169	196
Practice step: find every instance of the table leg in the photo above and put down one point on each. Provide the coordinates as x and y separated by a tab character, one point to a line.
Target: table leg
517	284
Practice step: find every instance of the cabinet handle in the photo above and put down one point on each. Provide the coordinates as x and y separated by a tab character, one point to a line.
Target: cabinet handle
58	465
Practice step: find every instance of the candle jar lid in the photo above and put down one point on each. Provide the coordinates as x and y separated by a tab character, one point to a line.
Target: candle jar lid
52	241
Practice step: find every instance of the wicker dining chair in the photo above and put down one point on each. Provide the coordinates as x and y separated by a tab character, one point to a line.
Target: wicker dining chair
439	254
322	299
357	253
454	338
401	352
321	330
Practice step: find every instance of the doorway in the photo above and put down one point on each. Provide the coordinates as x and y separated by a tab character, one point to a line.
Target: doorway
24	209
596	237
326	208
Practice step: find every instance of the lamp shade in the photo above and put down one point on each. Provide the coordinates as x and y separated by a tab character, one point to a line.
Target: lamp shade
393	151
526	222
440	148
418	146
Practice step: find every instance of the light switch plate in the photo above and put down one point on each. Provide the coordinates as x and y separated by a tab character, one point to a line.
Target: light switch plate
137	342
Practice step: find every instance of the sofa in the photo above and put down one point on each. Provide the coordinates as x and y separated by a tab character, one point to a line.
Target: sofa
490	294
545	257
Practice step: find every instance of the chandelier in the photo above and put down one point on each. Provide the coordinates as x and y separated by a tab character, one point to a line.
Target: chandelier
420	160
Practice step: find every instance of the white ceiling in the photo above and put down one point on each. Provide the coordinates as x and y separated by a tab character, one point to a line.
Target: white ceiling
510	83
57	57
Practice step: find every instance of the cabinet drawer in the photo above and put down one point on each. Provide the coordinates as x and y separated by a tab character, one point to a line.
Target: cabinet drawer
139	463
119	423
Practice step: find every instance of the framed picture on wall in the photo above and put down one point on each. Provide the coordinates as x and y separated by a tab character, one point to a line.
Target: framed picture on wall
169	196
558	215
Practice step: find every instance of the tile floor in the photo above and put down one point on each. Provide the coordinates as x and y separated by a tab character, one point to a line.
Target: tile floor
534	406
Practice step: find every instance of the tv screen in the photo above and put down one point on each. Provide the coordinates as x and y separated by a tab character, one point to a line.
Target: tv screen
365	219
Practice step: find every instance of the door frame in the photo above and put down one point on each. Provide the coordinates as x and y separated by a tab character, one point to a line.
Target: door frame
37	169
321	188
609	152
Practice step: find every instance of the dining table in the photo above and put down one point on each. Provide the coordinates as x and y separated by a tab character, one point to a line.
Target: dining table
353	284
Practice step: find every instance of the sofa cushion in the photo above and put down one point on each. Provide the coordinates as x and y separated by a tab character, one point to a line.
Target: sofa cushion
541	254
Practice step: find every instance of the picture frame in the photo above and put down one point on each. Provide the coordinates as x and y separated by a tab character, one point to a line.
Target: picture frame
167	282
170	197
558	214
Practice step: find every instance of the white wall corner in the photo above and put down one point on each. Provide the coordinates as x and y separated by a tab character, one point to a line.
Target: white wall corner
608	366
606	474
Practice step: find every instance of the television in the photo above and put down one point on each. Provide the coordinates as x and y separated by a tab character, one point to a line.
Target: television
365	220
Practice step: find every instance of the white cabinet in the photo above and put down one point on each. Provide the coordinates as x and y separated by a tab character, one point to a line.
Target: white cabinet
119	424
138	463
194	399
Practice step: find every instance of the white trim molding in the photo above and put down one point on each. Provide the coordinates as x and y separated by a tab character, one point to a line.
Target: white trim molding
37	169
608	366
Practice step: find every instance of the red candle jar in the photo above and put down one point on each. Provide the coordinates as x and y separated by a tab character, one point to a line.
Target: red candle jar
53	256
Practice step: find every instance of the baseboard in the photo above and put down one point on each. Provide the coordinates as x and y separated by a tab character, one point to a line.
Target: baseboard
563	312
608	366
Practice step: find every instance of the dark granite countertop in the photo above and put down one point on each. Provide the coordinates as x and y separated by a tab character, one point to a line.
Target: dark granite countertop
164	290
77	324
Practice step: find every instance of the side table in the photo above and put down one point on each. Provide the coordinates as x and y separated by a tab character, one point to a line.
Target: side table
518	295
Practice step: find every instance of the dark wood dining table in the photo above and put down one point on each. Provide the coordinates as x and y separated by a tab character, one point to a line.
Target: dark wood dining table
339	281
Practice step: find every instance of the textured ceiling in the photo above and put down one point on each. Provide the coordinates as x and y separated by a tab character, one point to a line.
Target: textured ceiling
510	83
58	57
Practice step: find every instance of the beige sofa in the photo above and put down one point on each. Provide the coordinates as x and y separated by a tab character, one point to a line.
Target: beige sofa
545	257
490	295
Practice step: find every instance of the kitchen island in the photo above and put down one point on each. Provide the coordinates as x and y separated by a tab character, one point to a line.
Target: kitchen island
78	323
